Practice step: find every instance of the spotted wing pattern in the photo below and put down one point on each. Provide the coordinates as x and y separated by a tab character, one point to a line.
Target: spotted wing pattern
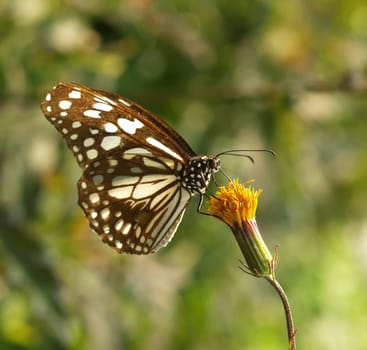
135	205
130	189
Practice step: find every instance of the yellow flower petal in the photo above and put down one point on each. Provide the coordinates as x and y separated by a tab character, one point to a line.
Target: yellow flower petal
235	203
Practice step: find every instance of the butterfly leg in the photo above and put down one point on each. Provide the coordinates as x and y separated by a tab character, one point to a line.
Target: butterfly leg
201	201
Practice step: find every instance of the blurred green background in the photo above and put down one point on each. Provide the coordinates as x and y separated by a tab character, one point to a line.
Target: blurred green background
289	76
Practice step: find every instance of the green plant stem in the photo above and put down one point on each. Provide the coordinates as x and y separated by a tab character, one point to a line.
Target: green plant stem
287	311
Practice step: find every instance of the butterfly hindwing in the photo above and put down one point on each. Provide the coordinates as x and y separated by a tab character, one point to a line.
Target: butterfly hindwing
134	204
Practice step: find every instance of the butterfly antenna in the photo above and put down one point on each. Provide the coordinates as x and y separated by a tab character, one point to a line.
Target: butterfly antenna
240	153
201	201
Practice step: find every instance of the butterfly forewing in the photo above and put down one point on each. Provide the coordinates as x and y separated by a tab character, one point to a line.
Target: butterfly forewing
95	122
132	189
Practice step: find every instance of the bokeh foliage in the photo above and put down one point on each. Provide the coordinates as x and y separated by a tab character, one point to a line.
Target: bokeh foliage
288	75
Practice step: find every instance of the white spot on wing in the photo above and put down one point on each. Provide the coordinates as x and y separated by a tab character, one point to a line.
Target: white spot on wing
97	179
124	102
92	153
110	127
118	224
112	162
118	245
129	126
76	125
110	142
105	213
48	97
65	104
94	198
163	148
88	142
92	113
75	94
126	228
102	107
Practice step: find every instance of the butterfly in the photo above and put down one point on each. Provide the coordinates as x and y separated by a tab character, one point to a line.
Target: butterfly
139	174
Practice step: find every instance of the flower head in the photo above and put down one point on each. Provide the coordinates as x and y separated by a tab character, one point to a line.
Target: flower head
236	205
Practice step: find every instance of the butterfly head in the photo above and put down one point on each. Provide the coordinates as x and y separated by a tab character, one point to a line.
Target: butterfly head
196	173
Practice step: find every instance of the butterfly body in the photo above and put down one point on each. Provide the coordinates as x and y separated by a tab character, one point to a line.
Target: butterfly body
138	173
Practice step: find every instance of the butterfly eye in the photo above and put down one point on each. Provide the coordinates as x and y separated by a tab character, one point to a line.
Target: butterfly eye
138	173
